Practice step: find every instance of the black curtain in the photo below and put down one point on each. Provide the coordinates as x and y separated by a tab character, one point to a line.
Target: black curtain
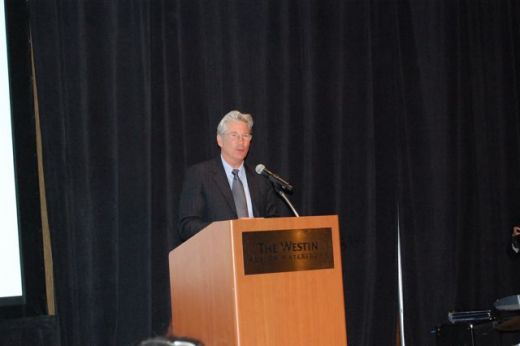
395	115
459	159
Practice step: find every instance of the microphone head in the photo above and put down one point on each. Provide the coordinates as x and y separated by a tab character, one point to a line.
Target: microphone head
259	168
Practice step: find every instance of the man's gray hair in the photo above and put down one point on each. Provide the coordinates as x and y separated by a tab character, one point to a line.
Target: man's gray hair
234	116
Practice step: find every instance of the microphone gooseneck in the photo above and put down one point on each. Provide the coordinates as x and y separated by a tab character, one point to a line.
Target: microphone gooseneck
279	185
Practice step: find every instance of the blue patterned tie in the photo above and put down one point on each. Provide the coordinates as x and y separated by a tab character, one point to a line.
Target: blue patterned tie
239	195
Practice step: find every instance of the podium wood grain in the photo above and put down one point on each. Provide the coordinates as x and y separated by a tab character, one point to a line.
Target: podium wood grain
215	302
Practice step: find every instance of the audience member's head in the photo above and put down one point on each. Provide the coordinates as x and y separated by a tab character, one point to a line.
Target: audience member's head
162	341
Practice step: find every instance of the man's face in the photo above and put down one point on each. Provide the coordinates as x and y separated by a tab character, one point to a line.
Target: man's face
234	144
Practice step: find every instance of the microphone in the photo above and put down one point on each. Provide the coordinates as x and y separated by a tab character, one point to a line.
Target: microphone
262	170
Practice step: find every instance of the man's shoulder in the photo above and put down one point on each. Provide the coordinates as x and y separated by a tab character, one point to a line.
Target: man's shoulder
204	166
250	171
255	178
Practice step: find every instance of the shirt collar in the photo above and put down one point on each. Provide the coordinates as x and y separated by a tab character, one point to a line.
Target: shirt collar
229	169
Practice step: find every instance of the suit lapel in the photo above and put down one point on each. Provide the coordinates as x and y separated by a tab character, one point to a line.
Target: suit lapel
222	183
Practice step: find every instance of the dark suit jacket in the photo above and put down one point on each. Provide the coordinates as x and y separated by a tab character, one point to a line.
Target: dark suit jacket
206	197
512	254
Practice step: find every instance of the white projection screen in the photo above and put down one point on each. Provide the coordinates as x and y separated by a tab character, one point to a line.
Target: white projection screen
11	284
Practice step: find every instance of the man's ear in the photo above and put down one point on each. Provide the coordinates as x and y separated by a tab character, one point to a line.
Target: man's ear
219	141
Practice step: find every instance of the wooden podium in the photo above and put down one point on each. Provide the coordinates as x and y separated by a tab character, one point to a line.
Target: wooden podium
247	282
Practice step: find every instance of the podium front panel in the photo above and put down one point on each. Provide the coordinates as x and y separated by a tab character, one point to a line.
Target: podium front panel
295	307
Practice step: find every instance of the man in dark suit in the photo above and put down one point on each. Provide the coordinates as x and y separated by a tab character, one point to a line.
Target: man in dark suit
209	191
515	240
